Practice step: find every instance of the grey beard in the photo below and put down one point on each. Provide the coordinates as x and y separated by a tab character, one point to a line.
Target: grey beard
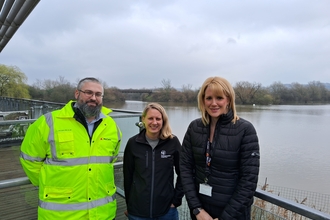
89	111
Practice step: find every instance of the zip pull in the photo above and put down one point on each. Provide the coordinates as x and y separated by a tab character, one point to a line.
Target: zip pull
255	154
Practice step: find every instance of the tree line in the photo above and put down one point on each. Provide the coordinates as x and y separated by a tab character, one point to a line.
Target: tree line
13	83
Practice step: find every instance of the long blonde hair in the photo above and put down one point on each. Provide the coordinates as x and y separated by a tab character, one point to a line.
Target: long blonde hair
166	131
221	87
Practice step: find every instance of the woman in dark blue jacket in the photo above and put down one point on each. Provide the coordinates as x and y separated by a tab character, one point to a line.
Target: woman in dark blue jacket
150	159
220	157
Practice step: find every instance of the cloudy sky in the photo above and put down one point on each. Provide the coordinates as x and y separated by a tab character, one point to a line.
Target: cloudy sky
139	43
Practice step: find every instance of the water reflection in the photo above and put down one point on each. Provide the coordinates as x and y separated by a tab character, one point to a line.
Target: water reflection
295	109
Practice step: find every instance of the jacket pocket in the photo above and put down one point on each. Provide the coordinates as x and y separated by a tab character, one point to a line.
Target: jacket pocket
57	193
110	189
65	143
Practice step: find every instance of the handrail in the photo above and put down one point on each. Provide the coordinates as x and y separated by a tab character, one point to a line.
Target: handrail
14	182
291	205
261	194
12	122
129	113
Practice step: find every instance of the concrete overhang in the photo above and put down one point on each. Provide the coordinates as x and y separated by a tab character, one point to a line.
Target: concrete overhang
12	14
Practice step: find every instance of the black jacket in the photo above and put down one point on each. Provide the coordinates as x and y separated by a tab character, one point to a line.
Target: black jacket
149	176
234	166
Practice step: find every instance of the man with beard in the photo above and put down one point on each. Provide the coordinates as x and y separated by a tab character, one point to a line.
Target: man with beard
69	154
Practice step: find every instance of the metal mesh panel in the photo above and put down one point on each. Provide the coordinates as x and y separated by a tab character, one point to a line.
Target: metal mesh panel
314	200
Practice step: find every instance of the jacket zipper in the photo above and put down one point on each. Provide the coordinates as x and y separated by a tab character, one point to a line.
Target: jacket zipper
152	181
146	159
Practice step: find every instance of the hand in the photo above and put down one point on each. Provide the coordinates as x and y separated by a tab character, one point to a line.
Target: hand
126	213
172	206
203	215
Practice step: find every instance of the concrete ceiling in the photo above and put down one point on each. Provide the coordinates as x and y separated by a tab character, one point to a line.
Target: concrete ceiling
12	15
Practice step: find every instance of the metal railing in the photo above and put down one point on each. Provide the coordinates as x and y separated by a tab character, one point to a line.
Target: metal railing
291	205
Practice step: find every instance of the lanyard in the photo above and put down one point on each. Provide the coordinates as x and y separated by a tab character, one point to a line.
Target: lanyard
208	160
207	154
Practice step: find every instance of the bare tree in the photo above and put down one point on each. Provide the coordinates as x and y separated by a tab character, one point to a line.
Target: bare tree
299	92
245	91
279	92
317	91
59	90
166	84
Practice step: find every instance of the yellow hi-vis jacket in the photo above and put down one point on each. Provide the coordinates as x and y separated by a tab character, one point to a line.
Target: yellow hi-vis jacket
74	172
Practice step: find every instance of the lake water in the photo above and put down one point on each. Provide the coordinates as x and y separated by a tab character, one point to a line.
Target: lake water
294	140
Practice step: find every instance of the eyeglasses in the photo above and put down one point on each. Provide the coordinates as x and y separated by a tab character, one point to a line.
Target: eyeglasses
90	93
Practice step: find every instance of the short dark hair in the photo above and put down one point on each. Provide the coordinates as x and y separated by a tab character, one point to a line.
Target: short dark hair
87	79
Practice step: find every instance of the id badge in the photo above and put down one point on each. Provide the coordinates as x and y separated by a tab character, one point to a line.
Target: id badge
205	189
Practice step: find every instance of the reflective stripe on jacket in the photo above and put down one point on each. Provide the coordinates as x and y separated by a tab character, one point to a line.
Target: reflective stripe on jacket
74	172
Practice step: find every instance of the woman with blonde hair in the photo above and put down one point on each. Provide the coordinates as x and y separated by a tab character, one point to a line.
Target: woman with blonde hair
149	161
220	157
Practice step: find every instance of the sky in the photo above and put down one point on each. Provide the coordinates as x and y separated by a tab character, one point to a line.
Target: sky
140	43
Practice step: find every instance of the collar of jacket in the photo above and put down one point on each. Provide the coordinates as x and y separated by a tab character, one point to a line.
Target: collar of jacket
78	115
226	118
